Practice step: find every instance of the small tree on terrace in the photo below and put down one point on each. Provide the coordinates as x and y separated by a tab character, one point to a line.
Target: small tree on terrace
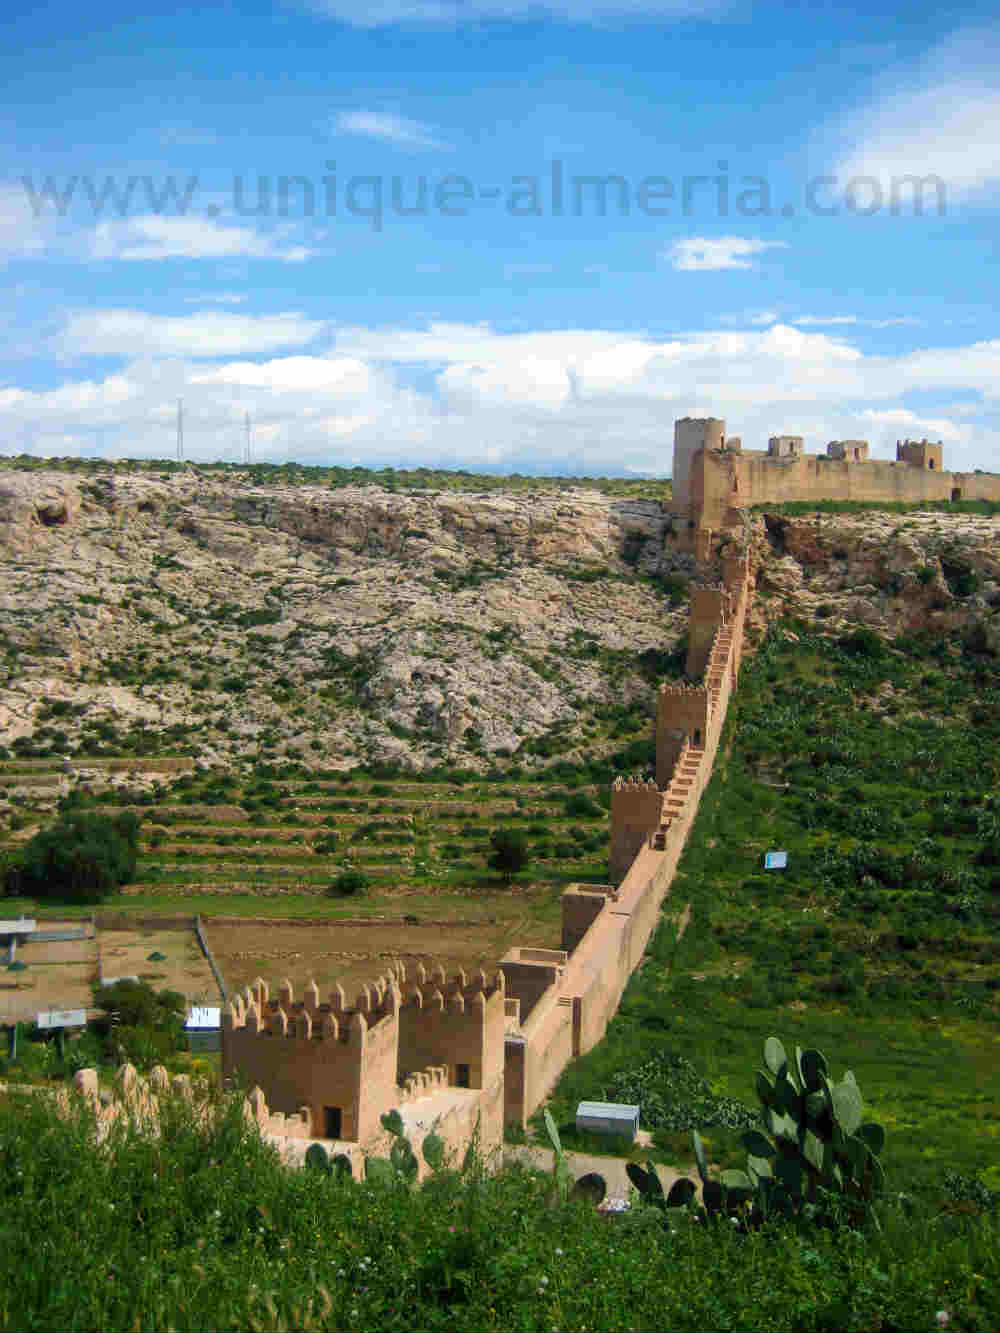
83	858
510	853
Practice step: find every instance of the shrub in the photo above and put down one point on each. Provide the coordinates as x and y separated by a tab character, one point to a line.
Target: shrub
863	643
349	883
510	853
580	805
81	859
147	1025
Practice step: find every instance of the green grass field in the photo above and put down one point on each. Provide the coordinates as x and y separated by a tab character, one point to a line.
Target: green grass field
880	943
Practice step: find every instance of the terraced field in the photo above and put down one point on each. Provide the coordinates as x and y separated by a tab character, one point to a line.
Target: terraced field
257	854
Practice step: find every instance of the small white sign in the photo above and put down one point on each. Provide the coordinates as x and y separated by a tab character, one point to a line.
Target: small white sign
775	860
204	1016
23	926
63	1018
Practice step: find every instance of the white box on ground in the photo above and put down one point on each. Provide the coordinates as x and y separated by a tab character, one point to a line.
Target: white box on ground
608	1118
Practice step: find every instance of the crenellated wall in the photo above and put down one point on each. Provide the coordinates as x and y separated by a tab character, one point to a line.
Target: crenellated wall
721	481
567	1000
466	1050
426	1043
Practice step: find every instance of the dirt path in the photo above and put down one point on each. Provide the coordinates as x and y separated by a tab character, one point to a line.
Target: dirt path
611	1168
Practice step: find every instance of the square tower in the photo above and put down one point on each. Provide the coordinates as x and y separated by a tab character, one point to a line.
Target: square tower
785	446
690	435
920	454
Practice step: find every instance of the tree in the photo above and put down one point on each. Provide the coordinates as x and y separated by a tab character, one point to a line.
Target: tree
149	1025
349	883
83	858
510	853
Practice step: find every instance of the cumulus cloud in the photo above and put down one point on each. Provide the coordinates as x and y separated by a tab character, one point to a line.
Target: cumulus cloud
22	234
294	373
153	237
904	420
937	121
571	400
715	252
205	333
388	128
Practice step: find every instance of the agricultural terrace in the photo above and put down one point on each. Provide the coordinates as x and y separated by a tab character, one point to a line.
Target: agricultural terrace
268	846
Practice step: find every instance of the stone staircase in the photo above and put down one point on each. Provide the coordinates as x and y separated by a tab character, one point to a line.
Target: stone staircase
676	795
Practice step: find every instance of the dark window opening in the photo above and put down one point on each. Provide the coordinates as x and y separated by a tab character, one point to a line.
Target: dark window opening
462	1076
697	736
930	464
956	494
332	1119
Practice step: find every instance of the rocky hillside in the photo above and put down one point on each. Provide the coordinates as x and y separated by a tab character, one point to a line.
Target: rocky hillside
214	616
895	573
211	616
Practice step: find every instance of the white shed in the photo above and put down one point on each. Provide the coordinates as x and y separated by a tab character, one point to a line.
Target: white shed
608	1118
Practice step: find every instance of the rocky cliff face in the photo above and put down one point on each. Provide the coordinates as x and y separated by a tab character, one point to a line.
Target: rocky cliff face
223	619
350	625
894	573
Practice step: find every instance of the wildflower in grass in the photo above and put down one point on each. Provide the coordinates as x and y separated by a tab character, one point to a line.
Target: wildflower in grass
943	1318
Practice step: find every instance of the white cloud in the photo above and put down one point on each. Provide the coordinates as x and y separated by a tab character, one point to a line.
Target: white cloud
22	235
153	237
753	317
294	373
205	333
940	119
571	400
940	428
387	128
528	382
381	13
825	319
897	321
715	252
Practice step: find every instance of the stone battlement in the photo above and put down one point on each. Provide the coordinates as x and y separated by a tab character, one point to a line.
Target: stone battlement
713	483
472	1050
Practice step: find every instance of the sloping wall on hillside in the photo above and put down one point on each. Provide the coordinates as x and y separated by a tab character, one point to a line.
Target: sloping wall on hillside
570	997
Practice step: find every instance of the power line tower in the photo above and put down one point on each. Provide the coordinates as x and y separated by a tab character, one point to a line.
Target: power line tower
180	429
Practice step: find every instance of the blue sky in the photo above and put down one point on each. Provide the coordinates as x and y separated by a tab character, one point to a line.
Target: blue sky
497	234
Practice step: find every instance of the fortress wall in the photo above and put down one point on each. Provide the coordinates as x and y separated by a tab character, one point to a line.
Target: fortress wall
301	1065
456	1115
635	812
548	1048
465	1027
581	906
721	481
571	1015
527	980
710	607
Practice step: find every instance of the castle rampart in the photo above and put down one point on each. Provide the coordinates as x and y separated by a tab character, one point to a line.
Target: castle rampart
571	999
456	1052
713	480
330	1070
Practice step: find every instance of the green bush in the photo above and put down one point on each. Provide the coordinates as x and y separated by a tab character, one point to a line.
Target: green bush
510	853
580	806
82	859
145	1026
349	883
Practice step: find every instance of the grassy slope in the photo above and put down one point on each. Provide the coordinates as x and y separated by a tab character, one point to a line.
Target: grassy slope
880	943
